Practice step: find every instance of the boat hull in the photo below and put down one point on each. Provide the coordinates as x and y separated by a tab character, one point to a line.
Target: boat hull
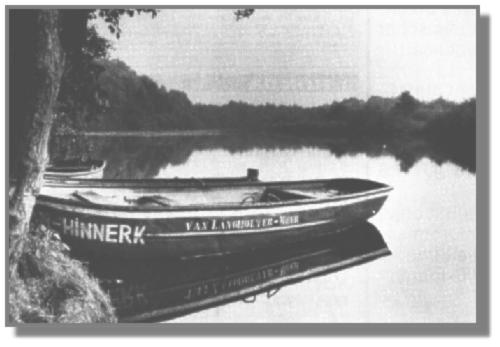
200	233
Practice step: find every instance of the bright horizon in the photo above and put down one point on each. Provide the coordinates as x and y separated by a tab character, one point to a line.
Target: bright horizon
303	57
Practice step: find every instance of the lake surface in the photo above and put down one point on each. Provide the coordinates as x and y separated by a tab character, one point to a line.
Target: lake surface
428	223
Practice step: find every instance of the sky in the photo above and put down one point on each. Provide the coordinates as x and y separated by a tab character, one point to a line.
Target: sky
303	57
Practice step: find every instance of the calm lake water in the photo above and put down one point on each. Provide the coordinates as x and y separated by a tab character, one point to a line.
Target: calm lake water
428	222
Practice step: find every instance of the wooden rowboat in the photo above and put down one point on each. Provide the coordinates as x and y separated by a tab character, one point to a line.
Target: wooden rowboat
195	218
75	168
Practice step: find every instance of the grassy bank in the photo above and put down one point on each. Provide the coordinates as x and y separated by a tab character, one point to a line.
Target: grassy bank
51	287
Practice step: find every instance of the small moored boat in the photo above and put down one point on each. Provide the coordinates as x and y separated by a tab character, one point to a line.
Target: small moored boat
60	171
75	168
202	217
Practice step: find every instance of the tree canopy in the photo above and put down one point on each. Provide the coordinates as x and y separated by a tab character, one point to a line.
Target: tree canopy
81	45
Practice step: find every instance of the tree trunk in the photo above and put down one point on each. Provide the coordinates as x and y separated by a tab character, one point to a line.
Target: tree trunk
34	155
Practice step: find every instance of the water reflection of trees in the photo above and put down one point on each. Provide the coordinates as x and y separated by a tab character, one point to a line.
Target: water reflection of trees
404	127
142	157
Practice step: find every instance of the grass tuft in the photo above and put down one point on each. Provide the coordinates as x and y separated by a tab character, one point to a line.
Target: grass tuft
51	287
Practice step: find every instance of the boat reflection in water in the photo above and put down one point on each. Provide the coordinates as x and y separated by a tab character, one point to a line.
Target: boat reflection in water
156	290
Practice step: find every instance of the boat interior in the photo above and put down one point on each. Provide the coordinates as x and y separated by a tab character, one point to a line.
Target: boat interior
190	197
208	196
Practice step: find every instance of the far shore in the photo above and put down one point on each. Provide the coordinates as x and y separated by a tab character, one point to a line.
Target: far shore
205	132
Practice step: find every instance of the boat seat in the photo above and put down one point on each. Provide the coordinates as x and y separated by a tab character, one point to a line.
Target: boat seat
84	197
97	199
94	198
149	200
251	198
275	194
315	193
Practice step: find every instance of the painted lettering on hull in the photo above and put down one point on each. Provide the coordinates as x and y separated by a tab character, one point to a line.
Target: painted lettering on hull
241	224
110	233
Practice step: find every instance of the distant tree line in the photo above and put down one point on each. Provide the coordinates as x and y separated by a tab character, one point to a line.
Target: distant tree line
132	102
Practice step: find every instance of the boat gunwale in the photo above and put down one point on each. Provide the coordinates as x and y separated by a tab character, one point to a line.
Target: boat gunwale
50	200
142	183
192	182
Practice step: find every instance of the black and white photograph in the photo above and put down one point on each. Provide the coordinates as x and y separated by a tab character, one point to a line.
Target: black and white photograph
241	165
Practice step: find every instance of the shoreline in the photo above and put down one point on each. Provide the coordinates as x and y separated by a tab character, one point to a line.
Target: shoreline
211	132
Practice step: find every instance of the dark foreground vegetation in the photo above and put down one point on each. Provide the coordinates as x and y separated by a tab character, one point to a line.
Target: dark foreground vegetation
53	287
51	75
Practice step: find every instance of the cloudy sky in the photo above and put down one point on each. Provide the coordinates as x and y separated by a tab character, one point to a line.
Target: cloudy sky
304	57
